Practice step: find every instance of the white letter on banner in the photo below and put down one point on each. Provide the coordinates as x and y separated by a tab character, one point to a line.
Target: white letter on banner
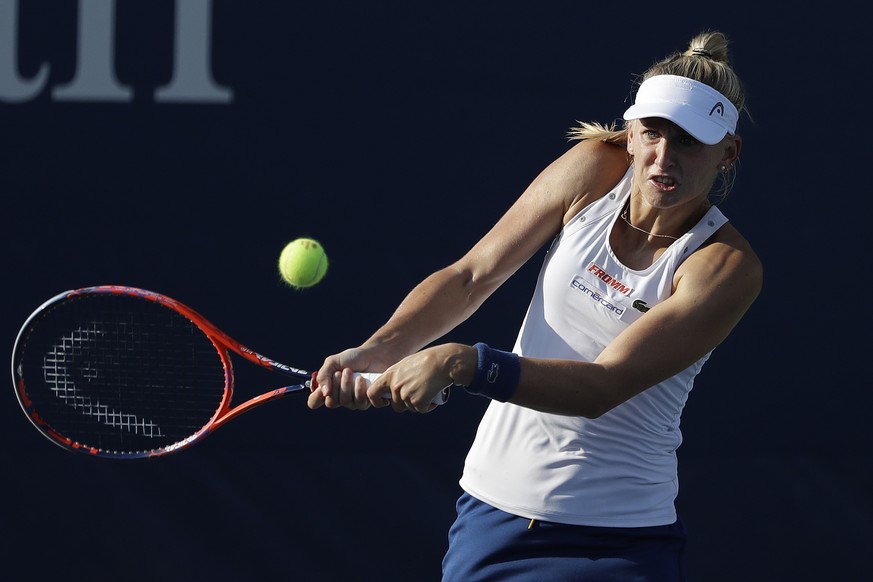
13	88
192	78
95	75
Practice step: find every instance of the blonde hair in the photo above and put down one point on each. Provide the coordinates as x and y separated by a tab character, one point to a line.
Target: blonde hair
705	60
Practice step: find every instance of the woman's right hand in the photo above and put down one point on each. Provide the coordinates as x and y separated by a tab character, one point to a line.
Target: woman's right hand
335	385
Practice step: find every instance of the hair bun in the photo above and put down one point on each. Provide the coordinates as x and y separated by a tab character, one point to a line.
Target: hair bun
701	52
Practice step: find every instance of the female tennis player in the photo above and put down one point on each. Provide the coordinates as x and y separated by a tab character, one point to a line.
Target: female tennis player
573	473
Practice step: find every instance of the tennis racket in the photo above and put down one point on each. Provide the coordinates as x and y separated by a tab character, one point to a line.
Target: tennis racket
125	373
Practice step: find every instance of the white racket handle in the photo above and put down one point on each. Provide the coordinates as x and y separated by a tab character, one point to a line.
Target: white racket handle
370	377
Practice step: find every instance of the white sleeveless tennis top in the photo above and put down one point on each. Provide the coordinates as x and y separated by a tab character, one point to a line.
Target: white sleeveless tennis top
618	470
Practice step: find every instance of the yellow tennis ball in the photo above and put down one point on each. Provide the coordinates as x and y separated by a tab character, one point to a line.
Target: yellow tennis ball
302	263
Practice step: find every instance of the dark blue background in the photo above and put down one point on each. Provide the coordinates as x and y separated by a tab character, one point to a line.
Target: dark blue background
397	133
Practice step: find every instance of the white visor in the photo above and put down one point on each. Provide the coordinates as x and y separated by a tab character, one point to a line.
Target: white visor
696	107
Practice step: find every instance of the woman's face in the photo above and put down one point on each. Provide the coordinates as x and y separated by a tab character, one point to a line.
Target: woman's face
671	168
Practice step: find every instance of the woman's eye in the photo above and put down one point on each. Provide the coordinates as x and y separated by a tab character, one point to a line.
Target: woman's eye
687	140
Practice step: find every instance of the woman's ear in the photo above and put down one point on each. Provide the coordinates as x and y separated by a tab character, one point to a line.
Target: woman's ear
732	150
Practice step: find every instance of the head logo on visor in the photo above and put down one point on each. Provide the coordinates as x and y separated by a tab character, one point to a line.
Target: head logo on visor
694	106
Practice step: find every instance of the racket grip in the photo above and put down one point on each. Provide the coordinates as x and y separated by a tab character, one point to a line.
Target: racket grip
370	377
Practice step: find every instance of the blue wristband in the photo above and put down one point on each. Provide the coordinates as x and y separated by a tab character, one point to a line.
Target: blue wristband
497	373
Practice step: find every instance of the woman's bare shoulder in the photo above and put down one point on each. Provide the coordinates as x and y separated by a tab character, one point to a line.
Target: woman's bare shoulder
595	168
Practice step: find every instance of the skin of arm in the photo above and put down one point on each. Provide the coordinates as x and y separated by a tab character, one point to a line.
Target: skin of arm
712	291
449	296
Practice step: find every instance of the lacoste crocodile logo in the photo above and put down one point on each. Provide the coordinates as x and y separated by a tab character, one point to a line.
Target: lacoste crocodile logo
493	372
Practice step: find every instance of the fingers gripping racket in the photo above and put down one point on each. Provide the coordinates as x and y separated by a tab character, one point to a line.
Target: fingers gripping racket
126	373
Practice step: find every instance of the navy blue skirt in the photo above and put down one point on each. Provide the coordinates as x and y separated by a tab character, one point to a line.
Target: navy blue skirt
488	544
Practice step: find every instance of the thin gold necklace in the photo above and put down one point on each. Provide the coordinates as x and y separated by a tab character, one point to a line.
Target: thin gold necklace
632	225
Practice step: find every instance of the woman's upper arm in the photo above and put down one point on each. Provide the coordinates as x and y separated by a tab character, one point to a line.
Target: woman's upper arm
715	288
711	296
584	173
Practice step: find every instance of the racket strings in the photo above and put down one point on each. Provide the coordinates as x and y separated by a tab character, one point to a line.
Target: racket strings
122	373
58	378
